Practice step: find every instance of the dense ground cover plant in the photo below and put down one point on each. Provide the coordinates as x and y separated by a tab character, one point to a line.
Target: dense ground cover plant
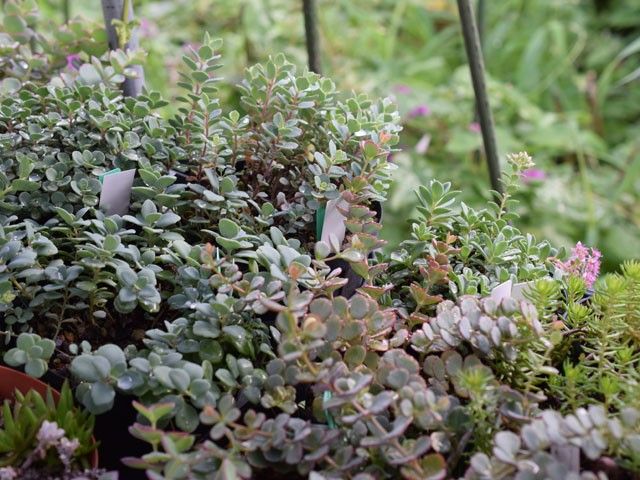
566	88
204	177
249	350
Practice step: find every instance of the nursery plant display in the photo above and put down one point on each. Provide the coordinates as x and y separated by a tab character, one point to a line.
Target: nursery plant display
238	296
562	78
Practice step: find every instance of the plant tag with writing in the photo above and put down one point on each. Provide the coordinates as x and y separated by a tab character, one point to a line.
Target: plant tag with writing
116	192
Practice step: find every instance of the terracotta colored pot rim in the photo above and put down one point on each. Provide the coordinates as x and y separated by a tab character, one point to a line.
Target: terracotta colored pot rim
12	380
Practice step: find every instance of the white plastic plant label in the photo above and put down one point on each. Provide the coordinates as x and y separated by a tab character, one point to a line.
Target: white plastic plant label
502	291
333	227
508	289
520	290
116	192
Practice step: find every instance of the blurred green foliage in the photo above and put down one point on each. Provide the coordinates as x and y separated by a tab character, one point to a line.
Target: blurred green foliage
564	85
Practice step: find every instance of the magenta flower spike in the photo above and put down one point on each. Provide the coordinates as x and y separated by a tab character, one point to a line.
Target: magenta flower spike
584	262
533	175
474	127
402	89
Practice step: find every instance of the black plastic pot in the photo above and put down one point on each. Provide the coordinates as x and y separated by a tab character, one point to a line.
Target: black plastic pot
112	433
354	281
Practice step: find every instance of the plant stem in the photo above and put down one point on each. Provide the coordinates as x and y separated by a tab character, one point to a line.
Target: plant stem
476	66
383	431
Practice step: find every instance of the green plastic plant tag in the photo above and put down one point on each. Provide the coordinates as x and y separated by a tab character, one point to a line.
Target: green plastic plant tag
101	177
326	396
320	221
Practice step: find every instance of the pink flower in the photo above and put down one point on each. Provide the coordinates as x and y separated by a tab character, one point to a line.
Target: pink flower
402	89
419	111
73	61
474	127
584	262
533	175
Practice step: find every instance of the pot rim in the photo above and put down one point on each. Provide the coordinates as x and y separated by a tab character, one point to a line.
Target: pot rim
12	379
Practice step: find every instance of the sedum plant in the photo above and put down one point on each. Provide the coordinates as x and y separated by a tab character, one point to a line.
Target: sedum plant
82	273
33	352
254	345
456	250
538	451
35	51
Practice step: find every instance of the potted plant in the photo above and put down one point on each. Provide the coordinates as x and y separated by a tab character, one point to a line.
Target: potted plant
42	433
210	296
250	185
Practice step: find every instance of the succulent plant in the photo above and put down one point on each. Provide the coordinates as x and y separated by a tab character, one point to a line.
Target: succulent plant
536	452
456	250
488	326
216	302
35	429
33	352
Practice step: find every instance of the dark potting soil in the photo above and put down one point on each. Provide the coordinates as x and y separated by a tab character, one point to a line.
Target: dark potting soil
111	431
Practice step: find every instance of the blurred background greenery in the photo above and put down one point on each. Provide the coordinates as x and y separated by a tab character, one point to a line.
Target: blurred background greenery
564	82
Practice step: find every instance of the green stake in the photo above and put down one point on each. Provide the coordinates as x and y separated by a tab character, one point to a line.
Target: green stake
476	66
326	396
311	34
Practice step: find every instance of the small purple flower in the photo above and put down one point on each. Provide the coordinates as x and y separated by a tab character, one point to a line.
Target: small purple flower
474	127
402	89
67	449
584	262
419	111
533	175
49	434
73	61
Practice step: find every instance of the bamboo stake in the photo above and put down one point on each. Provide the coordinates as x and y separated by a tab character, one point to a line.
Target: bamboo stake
311	34
115	9
476	66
